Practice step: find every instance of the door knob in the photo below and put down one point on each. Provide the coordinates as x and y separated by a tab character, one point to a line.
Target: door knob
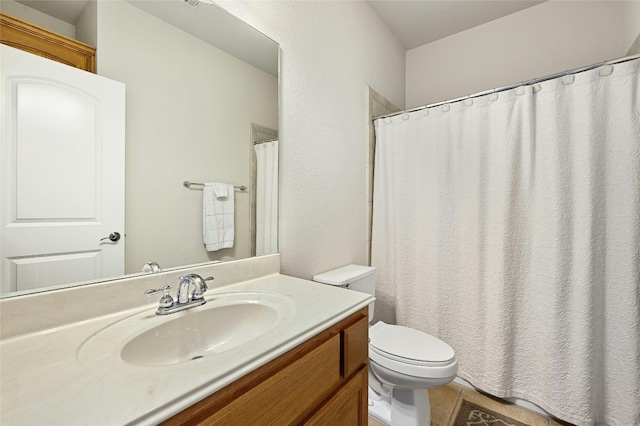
114	236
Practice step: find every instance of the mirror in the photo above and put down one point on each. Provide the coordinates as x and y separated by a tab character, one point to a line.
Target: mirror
201	90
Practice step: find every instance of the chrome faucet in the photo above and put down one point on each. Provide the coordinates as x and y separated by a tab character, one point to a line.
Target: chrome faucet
199	284
183	290
184	298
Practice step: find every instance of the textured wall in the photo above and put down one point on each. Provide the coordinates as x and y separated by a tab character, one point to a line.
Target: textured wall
551	37
330	51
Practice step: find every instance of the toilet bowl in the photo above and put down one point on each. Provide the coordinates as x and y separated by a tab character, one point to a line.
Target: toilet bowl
403	362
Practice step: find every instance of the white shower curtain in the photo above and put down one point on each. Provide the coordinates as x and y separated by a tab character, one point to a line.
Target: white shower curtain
509	227
266	198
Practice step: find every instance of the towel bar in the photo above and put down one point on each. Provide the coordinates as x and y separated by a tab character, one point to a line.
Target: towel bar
188	184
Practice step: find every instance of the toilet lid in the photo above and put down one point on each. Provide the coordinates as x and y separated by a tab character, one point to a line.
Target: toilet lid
408	344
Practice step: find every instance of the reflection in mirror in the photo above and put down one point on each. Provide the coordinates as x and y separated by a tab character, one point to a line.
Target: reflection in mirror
264	199
201	91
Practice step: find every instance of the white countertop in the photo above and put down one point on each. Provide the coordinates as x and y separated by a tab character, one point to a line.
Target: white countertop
43	382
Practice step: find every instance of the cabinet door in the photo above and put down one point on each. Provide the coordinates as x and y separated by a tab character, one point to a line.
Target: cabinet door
348	407
355	347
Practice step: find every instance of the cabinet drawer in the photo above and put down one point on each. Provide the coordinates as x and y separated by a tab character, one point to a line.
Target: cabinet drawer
355	346
285	397
347	407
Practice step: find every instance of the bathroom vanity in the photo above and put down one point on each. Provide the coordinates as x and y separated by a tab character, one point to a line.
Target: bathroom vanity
323	381
285	351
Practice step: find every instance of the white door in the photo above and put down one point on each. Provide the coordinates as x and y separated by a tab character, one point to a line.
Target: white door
61	173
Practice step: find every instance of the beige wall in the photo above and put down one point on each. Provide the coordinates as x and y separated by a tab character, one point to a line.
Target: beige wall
20	11
631	26
189	109
330	52
551	37
87	24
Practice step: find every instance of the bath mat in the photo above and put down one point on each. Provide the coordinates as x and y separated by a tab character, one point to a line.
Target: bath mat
471	414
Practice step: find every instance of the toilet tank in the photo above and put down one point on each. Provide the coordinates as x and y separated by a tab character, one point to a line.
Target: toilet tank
353	277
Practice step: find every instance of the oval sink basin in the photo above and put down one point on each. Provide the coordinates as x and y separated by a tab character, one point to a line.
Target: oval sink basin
195	334
225	322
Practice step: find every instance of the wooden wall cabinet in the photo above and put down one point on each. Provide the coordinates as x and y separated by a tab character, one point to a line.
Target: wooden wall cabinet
42	42
323	381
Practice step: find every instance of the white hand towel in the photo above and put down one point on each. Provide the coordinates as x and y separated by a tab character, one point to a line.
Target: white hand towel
220	190
217	216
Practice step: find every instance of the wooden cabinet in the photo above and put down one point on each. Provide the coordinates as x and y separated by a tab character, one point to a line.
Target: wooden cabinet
345	408
42	42
323	381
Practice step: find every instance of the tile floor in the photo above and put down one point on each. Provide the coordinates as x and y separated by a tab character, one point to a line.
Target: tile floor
446	400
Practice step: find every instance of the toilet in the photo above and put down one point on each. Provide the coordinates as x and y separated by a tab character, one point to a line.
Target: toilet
403	362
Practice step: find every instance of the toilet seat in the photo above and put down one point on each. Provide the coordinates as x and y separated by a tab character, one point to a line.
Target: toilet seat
409	351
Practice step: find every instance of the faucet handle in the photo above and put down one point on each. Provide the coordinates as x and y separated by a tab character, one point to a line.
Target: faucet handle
166	301
204	284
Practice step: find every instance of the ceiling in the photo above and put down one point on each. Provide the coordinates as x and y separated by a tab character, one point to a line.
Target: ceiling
418	22
413	22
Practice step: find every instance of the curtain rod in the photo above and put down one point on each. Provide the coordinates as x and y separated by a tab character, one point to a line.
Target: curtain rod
513	86
188	184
